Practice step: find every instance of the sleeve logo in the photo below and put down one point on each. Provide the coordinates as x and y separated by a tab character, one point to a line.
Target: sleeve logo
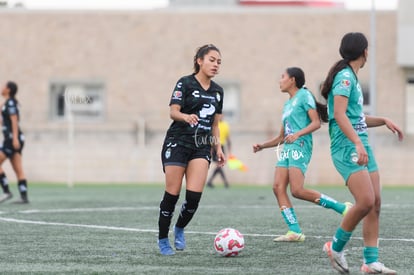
177	95
345	83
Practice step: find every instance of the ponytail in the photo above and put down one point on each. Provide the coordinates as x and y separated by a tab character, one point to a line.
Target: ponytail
327	84
321	108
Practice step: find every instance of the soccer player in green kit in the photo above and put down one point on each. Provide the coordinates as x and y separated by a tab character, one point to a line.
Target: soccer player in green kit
301	116
195	107
353	156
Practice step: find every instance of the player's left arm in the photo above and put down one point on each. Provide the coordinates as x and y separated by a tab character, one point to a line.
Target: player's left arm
216	137
313	126
15	131
375	121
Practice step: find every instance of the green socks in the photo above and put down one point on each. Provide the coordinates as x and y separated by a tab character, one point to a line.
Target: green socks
370	254
290	219
340	239
328	202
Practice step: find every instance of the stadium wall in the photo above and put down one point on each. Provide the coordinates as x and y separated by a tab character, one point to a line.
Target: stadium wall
138	56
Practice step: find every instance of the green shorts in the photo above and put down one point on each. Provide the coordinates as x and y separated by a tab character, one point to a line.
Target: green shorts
293	155
345	161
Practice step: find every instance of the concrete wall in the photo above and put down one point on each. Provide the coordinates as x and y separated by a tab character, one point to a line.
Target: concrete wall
405	33
140	56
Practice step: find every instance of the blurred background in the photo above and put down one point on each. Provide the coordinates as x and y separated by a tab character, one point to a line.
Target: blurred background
95	79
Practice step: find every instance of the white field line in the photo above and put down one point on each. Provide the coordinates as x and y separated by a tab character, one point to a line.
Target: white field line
115	208
74	210
129	229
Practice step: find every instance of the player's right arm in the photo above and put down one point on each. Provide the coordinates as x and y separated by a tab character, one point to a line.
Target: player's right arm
177	115
279	139
177	101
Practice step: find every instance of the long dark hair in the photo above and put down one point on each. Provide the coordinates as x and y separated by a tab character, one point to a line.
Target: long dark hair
201	52
12	86
299	76
353	45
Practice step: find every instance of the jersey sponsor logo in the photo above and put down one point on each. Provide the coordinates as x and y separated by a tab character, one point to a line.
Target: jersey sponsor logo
208	97
177	95
218	96
361	126
295	102
208	109
196	93
11	103
345	83
179	85
347	74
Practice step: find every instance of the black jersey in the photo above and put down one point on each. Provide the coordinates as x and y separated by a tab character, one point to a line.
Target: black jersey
10	107
193	99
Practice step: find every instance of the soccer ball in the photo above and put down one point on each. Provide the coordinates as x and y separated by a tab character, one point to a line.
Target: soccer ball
228	242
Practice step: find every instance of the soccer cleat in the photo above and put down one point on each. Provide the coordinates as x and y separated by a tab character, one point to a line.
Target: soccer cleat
376	268
179	241
348	205
290	236
337	259
165	247
5	197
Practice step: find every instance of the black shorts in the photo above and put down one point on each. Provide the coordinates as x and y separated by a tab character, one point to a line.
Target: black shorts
8	149
179	155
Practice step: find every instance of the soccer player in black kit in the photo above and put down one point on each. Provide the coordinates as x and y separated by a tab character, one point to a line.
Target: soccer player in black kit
13	143
195	108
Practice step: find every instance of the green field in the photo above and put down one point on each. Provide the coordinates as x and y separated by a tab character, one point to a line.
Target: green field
112	229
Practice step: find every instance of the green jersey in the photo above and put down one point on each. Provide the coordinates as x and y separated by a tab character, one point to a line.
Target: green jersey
346	84
295	116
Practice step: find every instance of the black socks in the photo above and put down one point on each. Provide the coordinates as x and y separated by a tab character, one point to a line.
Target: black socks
4	183
167	206
188	208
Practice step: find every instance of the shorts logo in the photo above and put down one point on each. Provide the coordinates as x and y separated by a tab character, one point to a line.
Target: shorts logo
168	153
177	95
354	157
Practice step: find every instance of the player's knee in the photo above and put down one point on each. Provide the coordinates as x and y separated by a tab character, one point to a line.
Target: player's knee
296	192
278	187
366	205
